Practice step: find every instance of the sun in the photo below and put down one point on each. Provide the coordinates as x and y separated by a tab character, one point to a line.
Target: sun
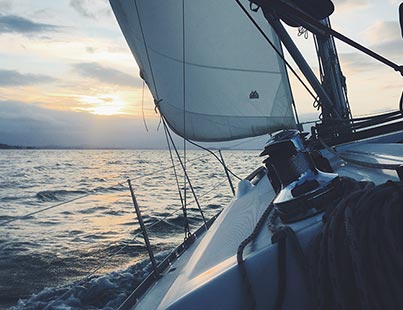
104	104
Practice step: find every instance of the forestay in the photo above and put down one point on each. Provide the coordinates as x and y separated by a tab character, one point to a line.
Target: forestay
206	58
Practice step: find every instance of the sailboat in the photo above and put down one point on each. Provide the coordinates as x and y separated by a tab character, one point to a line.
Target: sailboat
319	224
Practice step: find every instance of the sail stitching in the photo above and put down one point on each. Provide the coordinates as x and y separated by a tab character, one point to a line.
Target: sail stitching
211	66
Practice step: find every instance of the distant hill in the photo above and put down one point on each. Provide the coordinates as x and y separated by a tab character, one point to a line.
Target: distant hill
13	147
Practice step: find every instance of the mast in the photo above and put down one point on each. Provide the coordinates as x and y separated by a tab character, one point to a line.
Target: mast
329	109
331	76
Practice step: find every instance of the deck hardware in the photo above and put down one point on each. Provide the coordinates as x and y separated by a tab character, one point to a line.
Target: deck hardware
304	190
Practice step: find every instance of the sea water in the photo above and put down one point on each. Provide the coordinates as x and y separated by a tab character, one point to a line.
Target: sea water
88	253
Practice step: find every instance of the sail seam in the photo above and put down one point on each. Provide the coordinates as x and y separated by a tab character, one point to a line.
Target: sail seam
212	66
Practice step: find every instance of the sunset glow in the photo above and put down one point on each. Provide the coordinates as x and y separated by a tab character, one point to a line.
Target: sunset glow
68	59
103	104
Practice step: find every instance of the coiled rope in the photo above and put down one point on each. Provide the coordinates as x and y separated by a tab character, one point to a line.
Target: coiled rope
356	262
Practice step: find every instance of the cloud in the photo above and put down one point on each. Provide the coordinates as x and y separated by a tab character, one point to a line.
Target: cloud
79	6
383	31
15	78
30	124
17	24
106	75
91	8
5	5
357	62
350	4
385	39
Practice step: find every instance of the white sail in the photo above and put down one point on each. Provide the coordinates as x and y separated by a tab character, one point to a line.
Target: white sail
214	75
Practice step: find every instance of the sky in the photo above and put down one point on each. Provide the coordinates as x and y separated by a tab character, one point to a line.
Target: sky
67	77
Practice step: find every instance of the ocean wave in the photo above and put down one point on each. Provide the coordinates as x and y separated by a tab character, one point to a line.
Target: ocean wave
110	189
114	162
115	213
56	195
213	206
104	292
92	210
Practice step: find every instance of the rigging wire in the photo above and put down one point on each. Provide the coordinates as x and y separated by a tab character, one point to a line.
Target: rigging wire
186	225
184	171
212	153
279	53
244	142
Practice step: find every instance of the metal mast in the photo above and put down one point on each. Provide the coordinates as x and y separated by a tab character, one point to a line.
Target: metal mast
332	78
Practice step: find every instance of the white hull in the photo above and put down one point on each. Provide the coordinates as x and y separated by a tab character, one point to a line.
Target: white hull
207	275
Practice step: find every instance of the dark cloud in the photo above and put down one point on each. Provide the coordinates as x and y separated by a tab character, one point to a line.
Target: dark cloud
106	75
17	24
90	49
29	124
14	78
79	6
91	8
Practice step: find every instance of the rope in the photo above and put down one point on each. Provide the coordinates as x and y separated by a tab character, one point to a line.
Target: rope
239	256
356	260
303	32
